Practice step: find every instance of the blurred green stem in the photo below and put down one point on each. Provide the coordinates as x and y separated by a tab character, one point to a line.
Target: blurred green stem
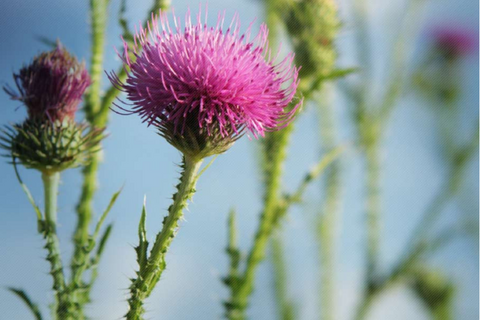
275	148
98	15
284	304
149	275
419	244
373	209
329	217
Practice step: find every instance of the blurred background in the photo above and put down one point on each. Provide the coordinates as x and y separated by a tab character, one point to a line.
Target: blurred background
138	159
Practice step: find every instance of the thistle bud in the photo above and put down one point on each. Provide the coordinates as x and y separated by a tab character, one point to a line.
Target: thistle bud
313	26
51	146
51	88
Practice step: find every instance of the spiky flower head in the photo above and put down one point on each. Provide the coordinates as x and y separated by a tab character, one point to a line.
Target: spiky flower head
204	86
50	146
51	86
50	140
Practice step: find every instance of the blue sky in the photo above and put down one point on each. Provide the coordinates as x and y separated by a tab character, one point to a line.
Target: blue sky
136	157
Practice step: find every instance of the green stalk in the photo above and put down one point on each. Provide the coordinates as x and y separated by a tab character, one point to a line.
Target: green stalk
275	145
152	269
98	12
373	208
63	307
329	217
285	306
98	15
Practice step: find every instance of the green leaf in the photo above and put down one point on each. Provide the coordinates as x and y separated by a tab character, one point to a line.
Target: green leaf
27	192
142	237
52	44
315	172
435	290
30	304
105	213
340	73
335	74
103	241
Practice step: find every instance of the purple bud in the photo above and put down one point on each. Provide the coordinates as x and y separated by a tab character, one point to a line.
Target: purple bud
51	86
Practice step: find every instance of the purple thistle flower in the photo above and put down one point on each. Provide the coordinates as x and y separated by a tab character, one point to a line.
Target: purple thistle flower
455	41
52	86
207	79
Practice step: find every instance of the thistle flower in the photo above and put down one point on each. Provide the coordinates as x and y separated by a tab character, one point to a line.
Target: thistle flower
51	86
204	86
50	140
455	42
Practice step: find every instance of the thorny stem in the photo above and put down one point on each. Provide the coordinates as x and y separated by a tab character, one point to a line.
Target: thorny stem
98	12
148	276
63	307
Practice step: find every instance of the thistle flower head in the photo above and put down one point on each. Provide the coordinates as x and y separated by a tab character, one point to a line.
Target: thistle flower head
455	42
209	83
51	86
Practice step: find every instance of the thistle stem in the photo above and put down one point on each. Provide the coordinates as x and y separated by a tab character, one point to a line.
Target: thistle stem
285	306
98	10
151	272
93	100
328	219
373	209
63	306
275	151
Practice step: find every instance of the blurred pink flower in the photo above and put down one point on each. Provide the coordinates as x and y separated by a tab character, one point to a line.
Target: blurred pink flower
219	79
455	41
51	86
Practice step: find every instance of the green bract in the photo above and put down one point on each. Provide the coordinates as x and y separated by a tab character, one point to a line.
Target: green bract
50	146
197	143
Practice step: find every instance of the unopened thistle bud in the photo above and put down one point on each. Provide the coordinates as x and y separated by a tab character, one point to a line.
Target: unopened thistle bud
313	26
51	88
203	87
